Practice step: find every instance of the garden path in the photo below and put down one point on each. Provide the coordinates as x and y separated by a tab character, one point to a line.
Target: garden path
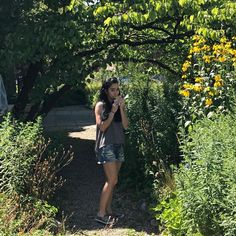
79	196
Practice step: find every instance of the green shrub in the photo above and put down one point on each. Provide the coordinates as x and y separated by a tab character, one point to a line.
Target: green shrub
28	178
206	181
22	214
17	153
169	214
151	139
203	201
92	89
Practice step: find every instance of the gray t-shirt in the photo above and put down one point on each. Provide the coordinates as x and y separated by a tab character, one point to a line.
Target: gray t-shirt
114	134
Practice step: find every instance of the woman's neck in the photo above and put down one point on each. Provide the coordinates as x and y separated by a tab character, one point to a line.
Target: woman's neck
109	99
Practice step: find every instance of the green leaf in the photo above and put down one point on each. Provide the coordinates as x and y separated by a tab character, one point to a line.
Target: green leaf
99	11
125	17
191	18
215	11
182	2
107	21
158	6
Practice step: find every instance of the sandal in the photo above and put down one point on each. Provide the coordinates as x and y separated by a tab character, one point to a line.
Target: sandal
106	220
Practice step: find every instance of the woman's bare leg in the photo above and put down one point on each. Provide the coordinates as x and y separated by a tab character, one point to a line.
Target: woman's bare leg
110	170
108	208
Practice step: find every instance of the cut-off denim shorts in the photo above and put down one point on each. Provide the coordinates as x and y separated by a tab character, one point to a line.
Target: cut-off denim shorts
109	153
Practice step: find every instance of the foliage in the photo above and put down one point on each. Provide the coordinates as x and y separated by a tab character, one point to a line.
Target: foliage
169	213
92	89
205	181
18	153
202	15
29	177
62	42
208	80
22	214
152	143
208	184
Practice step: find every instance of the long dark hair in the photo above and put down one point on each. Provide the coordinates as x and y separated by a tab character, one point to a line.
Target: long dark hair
103	98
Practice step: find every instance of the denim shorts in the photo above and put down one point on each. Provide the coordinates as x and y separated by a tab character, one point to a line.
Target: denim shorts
109	153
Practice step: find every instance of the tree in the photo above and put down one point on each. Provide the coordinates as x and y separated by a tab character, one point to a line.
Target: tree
54	45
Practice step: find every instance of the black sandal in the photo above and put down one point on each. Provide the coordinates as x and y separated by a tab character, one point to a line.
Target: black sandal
106	220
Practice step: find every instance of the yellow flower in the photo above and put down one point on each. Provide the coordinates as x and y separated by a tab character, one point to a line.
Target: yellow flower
211	94
188	86
206	58
186	65
196	37
217	84
198	79
222	59
196	49
216	47
189	56
228	45
197	87
184	76
202	40
223	40
185	93
232	52
208	101
206	48
217	78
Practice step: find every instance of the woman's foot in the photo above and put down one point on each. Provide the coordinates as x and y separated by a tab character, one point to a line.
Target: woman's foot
106	220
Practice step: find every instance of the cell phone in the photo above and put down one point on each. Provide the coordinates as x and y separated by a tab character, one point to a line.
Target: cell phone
126	96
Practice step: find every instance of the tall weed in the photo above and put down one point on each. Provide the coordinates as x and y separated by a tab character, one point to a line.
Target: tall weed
205	182
29	175
152	143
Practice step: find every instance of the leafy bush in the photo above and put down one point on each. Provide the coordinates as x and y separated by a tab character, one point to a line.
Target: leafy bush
18	153
152	142
22	214
28	177
169	214
92	89
206	181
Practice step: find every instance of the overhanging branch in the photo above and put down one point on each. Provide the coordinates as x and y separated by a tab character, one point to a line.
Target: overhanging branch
110	42
155	62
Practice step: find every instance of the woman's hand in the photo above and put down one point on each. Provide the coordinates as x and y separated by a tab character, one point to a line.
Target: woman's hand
122	102
115	106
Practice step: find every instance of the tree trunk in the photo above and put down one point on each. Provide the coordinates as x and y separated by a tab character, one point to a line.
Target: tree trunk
31	116
50	100
28	83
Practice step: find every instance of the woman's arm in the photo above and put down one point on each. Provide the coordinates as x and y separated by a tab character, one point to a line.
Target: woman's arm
103	125
125	121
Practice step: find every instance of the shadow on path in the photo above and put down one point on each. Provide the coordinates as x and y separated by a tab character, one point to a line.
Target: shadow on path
78	198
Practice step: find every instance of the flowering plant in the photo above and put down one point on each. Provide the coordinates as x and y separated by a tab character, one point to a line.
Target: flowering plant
208	78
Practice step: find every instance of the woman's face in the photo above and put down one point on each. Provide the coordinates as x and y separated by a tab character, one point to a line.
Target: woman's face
113	92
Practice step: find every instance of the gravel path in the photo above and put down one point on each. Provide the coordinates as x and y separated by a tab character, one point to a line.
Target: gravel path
78	198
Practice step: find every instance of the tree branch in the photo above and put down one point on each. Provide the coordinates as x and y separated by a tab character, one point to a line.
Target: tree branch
155	62
110	42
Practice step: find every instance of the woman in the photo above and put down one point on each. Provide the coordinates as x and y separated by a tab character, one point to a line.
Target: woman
111	120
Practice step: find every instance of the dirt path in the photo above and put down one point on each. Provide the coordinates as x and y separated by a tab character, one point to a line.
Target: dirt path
79	196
